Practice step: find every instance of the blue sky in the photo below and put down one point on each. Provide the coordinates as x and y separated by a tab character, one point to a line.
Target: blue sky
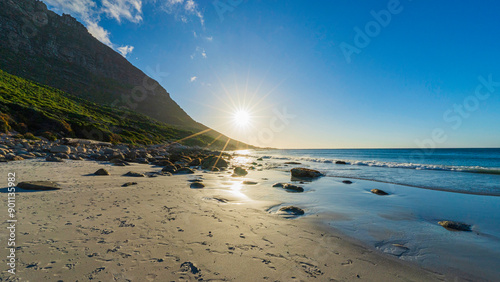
326	74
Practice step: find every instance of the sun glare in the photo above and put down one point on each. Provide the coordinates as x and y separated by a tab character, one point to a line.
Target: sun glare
242	118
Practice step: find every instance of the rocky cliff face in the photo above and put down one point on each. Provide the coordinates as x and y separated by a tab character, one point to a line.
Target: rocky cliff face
58	51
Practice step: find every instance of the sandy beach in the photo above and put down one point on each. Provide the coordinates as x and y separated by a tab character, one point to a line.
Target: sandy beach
163	230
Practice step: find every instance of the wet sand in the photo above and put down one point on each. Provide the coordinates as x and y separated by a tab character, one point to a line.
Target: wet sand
161	229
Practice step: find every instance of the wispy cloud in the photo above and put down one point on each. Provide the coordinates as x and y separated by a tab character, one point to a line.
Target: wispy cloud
130	10
89	12
193	78
183	10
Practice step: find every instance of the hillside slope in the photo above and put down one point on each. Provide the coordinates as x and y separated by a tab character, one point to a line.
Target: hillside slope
58	51
27	106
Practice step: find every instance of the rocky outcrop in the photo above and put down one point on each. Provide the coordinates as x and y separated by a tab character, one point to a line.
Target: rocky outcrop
39	185
305	173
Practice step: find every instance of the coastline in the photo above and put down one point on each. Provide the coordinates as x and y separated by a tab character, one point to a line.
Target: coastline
160	228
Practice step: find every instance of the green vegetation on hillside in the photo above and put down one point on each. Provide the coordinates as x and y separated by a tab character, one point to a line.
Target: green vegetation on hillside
29	107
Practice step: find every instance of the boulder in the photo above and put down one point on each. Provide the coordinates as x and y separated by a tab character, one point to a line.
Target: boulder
240	171
134	174
39	185
184	170
214	161
379	192
195	162
101	171
305	173
61	149
16	158
248	182
292	210
455	226
170	168
53	158
197	185
279	184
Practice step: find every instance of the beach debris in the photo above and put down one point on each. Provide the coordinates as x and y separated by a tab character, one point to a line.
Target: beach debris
240	171
129	184
305	173
292	210
101	171
197	185
293	163
248	182
39	185
455	226
340	162
347	181
134	174
189	267
184	170
379	192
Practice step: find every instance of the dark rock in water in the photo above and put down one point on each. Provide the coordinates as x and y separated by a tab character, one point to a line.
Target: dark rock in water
279	184
379	192
39	185
340	162
52	158
455	226
293	188
240	171
293	163
259	159
195	180
247	182
134	174
305	173
292	210
197	185
184	170
347	181
213	161
101	171
170	168
129	184
189	267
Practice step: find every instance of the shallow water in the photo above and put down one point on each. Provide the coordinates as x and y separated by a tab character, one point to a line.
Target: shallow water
474	171
403	224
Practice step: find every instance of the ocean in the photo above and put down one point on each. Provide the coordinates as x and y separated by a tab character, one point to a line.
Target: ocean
475	171
424	187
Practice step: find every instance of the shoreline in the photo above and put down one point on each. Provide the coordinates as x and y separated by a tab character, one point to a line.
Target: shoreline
90	230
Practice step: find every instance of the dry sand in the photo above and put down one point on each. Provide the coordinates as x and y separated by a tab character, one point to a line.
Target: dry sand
161	230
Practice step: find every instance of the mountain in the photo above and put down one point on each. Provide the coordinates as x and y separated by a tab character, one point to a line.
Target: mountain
58	51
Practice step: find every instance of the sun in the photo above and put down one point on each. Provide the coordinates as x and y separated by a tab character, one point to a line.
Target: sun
241	118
